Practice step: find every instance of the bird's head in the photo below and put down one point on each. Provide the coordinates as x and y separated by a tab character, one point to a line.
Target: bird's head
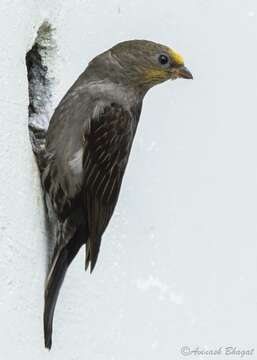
148	62
142	63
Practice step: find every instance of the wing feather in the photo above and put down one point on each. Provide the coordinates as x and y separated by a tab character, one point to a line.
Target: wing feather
106	152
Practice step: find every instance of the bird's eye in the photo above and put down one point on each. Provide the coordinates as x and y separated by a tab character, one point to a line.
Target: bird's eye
163	59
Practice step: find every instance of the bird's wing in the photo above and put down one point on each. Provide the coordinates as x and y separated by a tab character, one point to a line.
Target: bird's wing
107	146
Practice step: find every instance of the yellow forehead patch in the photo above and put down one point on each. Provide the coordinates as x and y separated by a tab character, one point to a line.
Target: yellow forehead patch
176	57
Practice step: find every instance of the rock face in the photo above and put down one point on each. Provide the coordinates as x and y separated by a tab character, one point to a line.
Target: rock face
39	60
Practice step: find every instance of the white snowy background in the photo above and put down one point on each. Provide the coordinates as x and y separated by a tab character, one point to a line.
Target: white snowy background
178	263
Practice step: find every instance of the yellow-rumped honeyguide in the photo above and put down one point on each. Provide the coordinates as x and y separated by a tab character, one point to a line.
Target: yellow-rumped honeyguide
88	145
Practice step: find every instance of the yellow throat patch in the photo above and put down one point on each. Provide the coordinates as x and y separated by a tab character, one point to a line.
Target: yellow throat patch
156	74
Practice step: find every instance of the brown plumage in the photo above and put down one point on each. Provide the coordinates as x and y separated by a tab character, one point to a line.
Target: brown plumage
87	149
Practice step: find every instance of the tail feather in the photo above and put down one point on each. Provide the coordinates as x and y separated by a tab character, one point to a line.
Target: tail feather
54	283
62	259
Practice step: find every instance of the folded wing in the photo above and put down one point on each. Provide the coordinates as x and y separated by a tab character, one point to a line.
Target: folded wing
106	151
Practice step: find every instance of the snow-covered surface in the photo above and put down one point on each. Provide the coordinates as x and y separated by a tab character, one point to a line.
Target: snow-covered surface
178	262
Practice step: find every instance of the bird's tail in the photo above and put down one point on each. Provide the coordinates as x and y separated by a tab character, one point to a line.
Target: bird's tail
53	285
61	261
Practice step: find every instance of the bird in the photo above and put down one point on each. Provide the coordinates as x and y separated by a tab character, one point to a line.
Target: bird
87	148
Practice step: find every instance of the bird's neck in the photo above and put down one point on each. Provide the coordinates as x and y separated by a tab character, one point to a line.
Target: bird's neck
123	93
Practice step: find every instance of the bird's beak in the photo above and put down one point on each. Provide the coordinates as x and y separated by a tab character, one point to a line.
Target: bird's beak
183	72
